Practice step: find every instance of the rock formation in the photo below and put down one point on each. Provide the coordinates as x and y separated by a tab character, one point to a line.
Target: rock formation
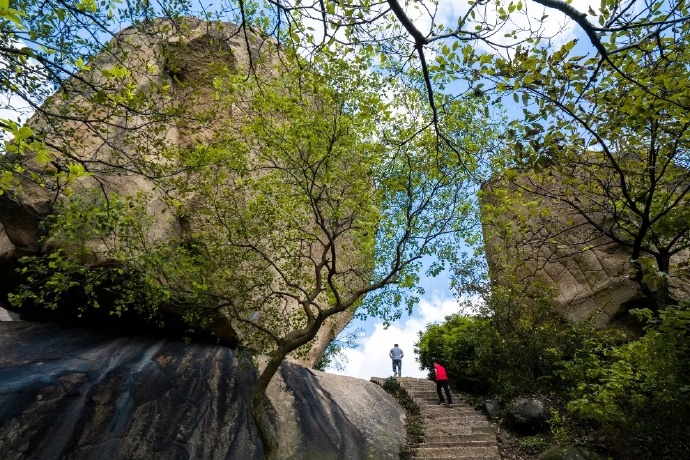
171	69
77	394
538	241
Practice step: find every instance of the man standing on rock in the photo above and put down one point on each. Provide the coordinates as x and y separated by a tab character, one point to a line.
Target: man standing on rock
396	354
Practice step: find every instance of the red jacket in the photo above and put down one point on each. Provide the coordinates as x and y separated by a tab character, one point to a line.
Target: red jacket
440	372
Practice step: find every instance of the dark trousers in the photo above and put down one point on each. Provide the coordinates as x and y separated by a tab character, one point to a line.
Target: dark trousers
443	384
397	365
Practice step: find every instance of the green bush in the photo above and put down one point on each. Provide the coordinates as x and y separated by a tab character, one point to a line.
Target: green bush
118	290
638	393
511	349
393	388
457	343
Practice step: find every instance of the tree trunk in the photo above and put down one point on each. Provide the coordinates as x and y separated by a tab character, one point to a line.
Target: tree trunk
258	397
257	407
662	287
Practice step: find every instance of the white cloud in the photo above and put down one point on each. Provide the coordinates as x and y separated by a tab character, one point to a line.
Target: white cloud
371	358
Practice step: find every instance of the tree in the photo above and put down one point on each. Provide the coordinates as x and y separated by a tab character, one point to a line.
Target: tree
409	197
635	45
318	162
625	31
635	55
317	193
393	29
335	352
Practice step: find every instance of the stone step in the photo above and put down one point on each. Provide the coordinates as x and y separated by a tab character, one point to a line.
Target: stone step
451	413
458	432
488	429
445	409
448	431
456	418
430	397
435	402
456	452
470	437
457	406
454	431
434	423
441	430
434	399
455	412
497	457
449	442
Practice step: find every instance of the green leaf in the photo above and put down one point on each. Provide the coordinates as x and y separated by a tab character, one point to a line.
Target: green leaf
24	132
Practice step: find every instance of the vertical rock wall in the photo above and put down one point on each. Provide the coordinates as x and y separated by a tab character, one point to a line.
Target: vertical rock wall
537	240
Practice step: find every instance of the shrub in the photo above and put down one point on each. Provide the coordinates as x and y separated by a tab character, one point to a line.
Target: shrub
510	349
639	392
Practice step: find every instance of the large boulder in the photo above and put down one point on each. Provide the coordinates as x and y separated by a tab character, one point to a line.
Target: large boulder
6	315
537	241
171	67
528	415
78	394
492	408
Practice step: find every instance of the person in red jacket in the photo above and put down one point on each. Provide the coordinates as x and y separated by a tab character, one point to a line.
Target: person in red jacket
442	382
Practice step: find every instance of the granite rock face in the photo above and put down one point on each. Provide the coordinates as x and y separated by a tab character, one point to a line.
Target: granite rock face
6	315
75	394
535	240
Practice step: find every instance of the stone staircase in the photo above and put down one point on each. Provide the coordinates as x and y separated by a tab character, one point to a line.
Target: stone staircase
458	432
